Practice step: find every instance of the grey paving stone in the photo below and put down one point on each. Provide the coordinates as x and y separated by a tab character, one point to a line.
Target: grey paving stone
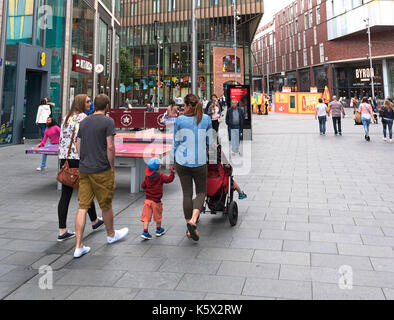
336	237
213	284
314	274
332	220
7	253
93	262
29	246
32	292
45	260
310	246
278	288
155	294
299	226
134	264
6	288
389	293
226	254
209	241
18	275
383	264
248	269
336	261
172	252
325	291
264	244
264	225
5	268
23	258
284	235
122	250
378	241
364	250
388	231
152	280
357	230
187	265
215	296
103	293
282	257
89	277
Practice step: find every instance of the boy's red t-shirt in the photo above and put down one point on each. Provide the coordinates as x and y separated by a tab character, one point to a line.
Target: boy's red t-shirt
153	185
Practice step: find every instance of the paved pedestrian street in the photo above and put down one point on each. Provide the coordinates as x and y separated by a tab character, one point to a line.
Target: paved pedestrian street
318	224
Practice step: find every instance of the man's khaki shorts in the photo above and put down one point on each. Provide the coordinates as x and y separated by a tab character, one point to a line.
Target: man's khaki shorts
100	185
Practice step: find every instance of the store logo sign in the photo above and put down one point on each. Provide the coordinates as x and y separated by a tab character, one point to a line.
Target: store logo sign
365	74
126	120
82	64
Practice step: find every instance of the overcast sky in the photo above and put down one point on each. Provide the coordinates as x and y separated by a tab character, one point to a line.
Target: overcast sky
272	7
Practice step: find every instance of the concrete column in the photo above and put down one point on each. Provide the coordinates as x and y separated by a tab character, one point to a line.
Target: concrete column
67	58
3	34
386	79
113	58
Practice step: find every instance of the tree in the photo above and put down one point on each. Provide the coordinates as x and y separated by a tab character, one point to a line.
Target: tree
126	67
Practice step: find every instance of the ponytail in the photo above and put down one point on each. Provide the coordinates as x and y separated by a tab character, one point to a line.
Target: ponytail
196	107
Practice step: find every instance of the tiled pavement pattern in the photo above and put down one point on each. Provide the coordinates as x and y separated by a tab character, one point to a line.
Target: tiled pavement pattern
315	204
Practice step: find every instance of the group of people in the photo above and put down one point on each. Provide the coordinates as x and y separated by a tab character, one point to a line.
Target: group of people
365	111
86	142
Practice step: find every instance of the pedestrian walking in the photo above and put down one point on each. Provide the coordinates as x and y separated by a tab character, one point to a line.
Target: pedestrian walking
68	150
153	186
212	102
204	103
366	112
336	110
52	133
96	147
216	118
387	115
43	113
235	121
322	113
192	137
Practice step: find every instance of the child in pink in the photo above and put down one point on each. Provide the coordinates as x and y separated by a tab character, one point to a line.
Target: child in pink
52	133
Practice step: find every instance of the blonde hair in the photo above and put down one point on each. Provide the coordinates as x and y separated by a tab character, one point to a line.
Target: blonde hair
78	106
387	104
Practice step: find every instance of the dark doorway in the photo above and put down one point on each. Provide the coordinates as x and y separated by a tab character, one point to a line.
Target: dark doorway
31	102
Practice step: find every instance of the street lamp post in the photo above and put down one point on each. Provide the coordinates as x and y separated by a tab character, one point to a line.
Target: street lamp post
158	71
194	48
372	73
236	18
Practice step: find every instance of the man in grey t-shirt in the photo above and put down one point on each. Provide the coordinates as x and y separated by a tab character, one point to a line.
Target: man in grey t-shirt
96	148
337	110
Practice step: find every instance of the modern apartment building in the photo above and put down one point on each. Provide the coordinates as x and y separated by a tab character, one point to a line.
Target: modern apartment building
51	48
314	43
215	35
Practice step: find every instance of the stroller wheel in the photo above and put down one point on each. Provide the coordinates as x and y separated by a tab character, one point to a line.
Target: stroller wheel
233	213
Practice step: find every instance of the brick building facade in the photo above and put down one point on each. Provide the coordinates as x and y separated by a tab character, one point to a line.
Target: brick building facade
318	43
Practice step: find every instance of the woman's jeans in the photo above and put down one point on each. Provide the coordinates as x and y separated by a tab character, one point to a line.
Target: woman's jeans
235	134
366	122
322	124
44	158
43	127
387	123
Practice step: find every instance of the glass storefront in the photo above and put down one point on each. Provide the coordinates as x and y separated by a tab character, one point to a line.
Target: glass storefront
55	42
354	81
20	21
391	76
305	80
82	48
321	78
175	58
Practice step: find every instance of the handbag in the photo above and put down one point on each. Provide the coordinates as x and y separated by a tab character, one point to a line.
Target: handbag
69	176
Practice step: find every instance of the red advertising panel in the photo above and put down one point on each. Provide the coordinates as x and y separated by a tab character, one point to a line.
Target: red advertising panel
128	119
82	64
155	119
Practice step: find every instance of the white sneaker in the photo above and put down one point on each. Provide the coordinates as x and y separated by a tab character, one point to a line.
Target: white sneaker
391	140
79	252
39	169
119	234
385	139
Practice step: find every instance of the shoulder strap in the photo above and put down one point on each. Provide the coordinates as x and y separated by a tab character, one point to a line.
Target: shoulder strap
71	142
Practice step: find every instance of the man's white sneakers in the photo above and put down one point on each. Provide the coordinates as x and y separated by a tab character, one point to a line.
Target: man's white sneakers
79	252
119	234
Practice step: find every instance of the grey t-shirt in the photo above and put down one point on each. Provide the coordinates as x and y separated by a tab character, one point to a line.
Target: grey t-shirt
236	117
93	132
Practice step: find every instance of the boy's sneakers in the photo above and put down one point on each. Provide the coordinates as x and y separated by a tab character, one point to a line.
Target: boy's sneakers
160	232
145	235
79	252
66	236
242	195
98	224
119	234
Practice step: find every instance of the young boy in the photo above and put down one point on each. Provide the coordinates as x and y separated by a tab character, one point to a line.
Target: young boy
153	186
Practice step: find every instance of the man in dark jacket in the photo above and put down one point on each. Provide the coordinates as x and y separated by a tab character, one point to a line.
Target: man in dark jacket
235	122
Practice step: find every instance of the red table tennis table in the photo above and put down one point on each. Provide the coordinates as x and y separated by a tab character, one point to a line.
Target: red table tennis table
131	155
144	137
